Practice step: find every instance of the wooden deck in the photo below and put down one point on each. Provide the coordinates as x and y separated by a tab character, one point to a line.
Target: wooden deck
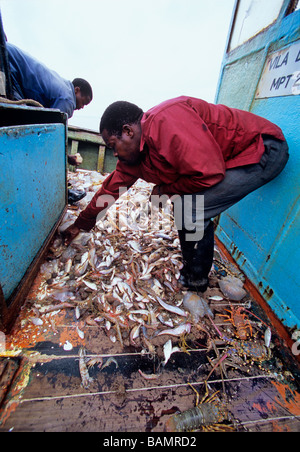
42	391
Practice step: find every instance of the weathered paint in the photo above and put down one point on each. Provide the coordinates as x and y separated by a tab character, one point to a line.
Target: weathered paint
90	145
32	195
264	244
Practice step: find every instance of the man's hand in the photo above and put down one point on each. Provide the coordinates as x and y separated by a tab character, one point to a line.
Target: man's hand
70	233
156	190
75	159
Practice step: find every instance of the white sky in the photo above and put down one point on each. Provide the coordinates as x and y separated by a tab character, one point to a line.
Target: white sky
135	50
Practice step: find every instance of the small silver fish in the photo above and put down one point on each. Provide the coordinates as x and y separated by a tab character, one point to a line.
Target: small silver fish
168	350
149	376
178	331
134	333
171	308
268	336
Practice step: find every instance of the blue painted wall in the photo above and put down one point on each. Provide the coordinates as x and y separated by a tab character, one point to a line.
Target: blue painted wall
262	231
32	195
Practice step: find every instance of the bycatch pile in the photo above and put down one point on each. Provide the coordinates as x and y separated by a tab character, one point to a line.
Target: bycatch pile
123	276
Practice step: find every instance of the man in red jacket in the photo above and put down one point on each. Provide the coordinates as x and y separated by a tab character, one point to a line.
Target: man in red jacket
196	150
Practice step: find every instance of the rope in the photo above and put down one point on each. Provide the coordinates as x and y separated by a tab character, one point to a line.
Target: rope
29	102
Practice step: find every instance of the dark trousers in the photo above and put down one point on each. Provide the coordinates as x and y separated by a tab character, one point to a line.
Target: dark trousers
238	183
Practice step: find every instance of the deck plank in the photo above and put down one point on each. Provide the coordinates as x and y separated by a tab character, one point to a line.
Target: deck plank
120	400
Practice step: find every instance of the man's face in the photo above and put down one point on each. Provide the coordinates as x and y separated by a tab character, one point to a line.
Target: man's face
126	147
81	101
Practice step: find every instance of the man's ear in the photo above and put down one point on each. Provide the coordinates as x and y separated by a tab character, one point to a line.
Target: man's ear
128	130
77	89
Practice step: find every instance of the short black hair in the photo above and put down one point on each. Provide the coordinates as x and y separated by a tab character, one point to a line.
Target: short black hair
117	115
85	87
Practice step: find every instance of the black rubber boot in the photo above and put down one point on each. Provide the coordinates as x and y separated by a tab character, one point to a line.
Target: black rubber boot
197	260
75	195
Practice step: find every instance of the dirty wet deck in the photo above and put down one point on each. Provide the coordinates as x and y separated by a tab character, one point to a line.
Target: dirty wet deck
47	395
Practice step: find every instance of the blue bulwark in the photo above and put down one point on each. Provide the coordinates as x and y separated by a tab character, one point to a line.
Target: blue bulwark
32	195
261	232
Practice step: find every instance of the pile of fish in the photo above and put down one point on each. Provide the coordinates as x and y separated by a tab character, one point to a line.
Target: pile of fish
123	275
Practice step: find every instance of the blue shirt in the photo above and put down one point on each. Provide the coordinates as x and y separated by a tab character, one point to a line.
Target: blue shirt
33	80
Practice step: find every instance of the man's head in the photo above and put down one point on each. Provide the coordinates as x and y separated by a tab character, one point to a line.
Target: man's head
83	92
120	127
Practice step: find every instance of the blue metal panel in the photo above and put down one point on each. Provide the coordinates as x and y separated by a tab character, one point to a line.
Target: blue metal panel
32	195
262	231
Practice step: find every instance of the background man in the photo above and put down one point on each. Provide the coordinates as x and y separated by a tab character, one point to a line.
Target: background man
33	80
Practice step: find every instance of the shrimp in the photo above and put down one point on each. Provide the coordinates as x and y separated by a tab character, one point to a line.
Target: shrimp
86	380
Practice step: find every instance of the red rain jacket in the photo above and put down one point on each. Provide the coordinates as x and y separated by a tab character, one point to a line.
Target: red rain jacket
189	144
